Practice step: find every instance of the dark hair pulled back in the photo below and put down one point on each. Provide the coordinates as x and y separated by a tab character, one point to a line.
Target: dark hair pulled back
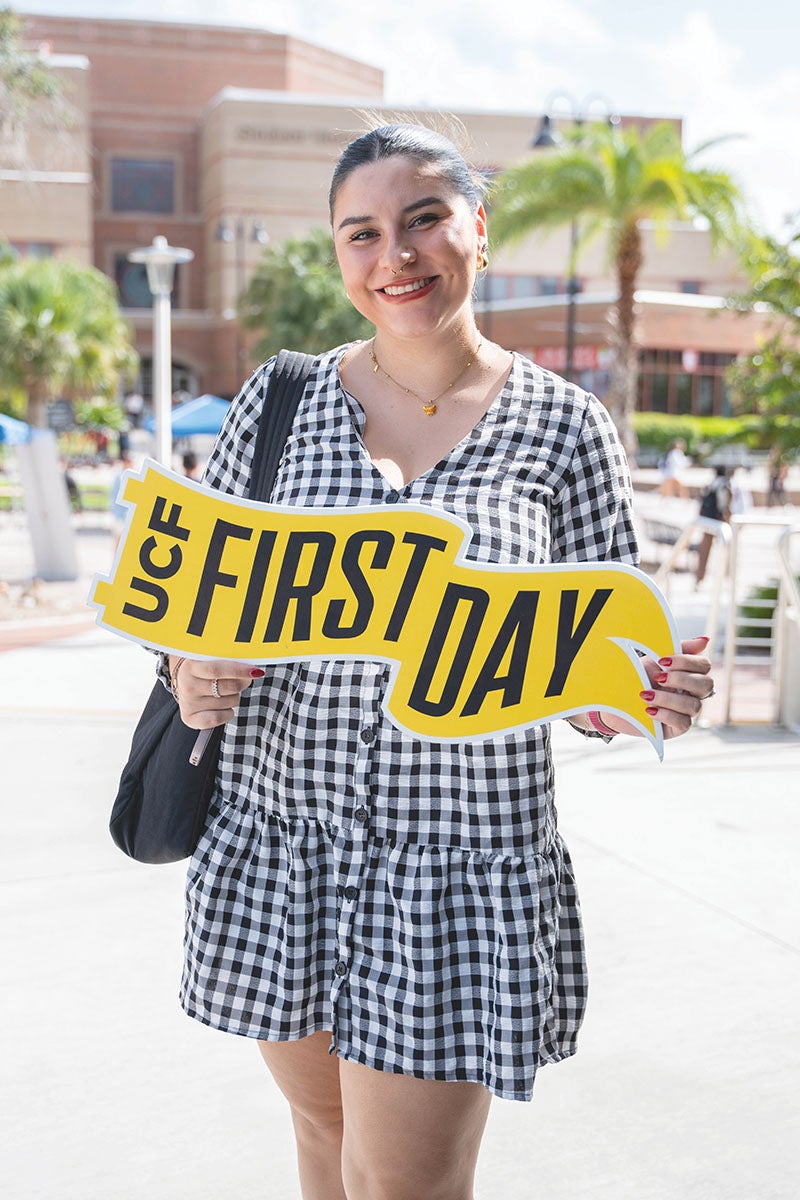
410	141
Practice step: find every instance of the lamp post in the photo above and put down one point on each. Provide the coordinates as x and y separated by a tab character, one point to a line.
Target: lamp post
160	261
237	231
547	138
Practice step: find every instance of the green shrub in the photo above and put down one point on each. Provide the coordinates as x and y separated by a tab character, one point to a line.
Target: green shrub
703	435
758	605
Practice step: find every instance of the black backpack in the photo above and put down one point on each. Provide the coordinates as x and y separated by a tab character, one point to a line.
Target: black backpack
715	500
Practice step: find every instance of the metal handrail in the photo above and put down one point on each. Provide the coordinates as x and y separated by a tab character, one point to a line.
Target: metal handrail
789	578
787	617
738	523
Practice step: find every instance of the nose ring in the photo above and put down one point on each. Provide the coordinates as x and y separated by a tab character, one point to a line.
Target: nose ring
400	272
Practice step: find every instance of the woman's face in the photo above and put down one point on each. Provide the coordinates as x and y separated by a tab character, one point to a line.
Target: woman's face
398	211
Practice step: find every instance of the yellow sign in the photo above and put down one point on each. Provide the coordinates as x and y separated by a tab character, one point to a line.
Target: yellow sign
477	649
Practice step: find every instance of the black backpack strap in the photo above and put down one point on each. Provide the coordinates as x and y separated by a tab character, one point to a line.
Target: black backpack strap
284	392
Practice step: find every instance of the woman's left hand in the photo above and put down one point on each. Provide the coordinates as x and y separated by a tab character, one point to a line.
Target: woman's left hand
679	684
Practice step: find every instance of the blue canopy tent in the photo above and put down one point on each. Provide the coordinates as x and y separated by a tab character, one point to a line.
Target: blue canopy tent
12	431
205	414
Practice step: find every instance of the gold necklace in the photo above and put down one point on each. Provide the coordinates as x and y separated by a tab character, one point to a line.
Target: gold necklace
428	406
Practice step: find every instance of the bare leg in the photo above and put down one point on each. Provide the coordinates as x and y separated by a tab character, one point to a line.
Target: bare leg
409	1139
308	1076
703	551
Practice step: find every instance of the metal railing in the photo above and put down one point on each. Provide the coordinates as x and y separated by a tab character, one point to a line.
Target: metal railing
759	616
760	633
787	634
721	534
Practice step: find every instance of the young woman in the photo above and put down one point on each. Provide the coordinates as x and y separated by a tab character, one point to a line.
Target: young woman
396	920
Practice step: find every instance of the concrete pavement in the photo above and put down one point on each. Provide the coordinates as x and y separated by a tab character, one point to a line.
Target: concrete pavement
685	1084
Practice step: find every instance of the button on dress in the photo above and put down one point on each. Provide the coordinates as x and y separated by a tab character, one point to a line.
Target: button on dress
413	898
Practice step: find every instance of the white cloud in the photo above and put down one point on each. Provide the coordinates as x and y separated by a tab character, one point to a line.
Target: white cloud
710	81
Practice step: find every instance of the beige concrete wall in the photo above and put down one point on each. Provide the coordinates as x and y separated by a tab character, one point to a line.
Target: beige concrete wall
45	170
273	155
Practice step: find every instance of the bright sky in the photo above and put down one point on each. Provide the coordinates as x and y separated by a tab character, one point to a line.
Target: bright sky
725	66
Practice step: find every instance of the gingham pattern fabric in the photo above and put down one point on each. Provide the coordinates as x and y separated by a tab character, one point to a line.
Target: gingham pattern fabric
414	898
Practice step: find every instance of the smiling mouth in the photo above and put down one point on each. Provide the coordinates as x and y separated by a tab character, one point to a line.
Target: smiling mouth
403	289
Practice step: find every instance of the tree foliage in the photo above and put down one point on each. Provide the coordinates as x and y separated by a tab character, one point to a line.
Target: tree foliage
612	179
24	77
767	383
295	299
100	414
60	333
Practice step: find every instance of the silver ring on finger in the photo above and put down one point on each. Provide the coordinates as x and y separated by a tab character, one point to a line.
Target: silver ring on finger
215	688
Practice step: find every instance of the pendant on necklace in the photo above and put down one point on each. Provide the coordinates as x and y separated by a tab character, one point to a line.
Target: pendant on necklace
429	409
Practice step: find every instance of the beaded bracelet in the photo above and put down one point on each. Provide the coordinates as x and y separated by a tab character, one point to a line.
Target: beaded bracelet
600	725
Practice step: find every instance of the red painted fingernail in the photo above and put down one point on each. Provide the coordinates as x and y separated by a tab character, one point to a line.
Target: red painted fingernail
701	637
647	695
662	678
665	662
257	673
651	712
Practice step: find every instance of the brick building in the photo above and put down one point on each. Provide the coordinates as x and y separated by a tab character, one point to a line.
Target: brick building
221	139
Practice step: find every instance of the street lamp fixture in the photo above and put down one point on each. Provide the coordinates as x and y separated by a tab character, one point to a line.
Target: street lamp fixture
237	231
160	260
547	138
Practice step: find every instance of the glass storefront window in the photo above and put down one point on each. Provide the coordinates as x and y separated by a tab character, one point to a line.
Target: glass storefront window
659	392
705	395
726	407
684	391
684	382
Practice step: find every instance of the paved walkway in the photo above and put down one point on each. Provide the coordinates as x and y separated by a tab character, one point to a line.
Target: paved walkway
685	1086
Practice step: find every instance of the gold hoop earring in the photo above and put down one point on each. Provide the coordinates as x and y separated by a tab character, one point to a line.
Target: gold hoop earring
483	257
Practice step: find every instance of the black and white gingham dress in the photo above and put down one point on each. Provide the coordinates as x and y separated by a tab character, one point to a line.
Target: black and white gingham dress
412	897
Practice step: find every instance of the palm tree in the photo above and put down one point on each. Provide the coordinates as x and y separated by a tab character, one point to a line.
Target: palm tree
613	178
60	333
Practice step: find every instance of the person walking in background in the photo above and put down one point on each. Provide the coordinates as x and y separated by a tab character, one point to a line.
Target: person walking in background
134	408
673	467
778	470
715	505
191	466
741	493
396	920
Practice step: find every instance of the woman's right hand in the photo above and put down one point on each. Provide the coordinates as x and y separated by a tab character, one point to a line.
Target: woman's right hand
195	682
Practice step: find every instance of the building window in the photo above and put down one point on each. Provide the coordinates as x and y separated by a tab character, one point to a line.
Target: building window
523	287
690	287
34	249
548	285
142	185
131	281
519	287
